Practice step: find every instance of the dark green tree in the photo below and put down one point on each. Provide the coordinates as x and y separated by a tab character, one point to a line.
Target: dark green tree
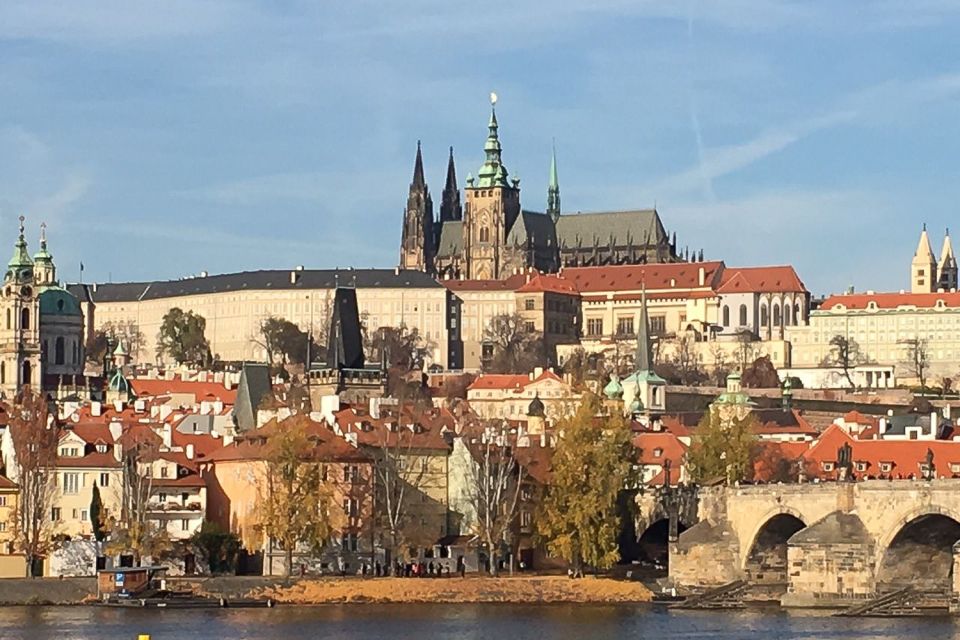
723	448
217	547
514	345
182	337
284	341
96	515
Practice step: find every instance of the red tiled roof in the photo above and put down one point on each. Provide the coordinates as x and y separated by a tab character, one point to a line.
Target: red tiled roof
327	446
374	432
508	284
507	381
904	456
685	275
95	459
892	300
671	448
542	283
189	480
203	444
760	280
200	390
7	483
91	433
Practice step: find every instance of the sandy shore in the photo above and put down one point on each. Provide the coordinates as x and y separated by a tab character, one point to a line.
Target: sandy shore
463	590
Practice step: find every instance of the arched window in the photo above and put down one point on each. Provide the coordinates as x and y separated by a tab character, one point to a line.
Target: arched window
743	315
726	316
59	357
484	234
25	371
76	352
9	319
25	318
3	373
776	315
763	315
797	318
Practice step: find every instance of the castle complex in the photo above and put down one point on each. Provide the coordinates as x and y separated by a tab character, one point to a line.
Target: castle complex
491	236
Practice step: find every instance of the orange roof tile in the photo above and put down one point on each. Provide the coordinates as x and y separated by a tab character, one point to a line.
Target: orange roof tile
543	283
682	275
774	279
891	300
200	390
508	284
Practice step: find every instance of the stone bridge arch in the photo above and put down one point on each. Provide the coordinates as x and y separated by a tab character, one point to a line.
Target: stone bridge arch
917	549
763	553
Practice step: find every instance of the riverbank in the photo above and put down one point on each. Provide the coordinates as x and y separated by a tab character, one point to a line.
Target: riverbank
516	590
306	591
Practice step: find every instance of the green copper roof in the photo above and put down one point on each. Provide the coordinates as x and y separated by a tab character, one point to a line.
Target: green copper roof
492	173
119	383
20	256
120	350
43	255
55	301
613	390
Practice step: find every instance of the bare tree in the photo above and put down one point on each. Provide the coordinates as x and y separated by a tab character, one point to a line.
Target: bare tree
400	471
493	490
34	435
721	366
845	354
746	350
517	348
109	334
133	532
917	359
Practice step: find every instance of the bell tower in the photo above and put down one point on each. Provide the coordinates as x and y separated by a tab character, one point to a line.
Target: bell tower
19	323
492	206
923	268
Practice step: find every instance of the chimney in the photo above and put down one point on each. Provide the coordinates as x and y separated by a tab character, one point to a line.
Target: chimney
293	277
702	276
118	406
543	440
883	427
96	409
167	435
396	271
537	372
116	430
190	451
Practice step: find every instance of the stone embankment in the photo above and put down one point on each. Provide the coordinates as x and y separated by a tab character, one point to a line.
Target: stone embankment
47	591
545	589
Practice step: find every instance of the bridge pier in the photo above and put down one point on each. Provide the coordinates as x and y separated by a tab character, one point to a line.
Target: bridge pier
825	544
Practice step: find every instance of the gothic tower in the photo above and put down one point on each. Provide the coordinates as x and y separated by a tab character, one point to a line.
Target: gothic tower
553	190
450	208
20	328
923	268
947	267
416	244
45	272
493	205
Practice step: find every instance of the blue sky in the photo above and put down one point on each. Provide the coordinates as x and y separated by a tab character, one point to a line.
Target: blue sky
159	139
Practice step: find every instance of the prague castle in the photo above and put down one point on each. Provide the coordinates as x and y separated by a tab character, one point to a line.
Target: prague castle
491	236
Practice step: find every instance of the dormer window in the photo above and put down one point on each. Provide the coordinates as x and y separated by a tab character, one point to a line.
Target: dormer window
861	466
163	471
826	466
657	452
886	467
70	452
101	448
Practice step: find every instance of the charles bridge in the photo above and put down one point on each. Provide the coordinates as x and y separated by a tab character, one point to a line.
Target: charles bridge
814	543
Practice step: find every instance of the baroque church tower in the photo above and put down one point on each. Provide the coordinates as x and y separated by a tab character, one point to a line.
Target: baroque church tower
493	204
20	318
417	241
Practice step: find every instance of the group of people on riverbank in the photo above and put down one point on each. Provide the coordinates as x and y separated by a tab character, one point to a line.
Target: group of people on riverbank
419	569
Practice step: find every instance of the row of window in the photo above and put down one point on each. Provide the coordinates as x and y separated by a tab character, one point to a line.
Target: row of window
791	315
625	326
72	482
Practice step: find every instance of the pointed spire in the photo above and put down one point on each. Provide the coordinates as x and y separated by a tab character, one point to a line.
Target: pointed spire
924	249
643	360
450	208
20	256
553	188
43	255
492	173
418	179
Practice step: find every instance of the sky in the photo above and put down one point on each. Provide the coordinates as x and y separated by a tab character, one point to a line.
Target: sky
162	139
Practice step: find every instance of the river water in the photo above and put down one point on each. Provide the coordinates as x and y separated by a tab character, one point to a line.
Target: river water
463	622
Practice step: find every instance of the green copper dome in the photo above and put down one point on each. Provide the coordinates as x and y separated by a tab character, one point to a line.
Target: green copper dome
613	390
58	302
20	266
119	383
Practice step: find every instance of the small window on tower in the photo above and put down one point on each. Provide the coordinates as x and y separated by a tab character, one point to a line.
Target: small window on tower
484	234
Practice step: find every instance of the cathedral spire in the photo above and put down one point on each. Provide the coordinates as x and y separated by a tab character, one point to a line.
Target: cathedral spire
923	268
553	189
947	267
418	179
450	208
492	173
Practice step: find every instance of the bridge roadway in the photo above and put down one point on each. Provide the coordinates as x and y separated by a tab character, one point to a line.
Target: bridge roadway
828	543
